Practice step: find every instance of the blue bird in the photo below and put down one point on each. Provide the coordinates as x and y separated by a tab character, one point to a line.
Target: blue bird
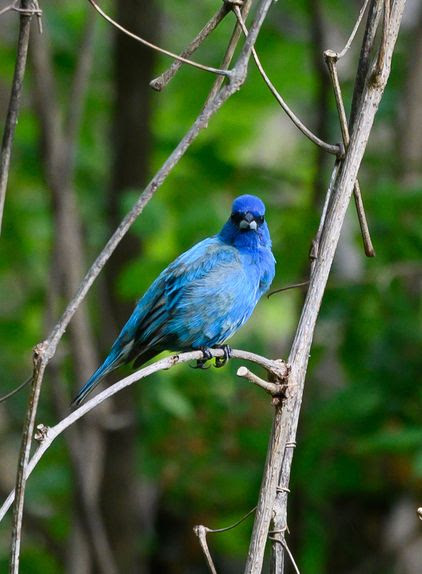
202	298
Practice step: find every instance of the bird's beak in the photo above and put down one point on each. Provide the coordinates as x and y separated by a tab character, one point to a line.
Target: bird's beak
248	222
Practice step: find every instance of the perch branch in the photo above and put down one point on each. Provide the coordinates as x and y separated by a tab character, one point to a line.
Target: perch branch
279	459
163	79
46	435
181	59
15	97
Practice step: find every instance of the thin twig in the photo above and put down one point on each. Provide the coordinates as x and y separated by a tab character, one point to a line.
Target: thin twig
330	59
276	368
14	102
155	47
226	528
16	390
353	34
287	288
274	389
278	462
163	79
333	149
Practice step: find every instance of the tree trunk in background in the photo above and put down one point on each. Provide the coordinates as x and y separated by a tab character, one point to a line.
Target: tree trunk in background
409	129
131	141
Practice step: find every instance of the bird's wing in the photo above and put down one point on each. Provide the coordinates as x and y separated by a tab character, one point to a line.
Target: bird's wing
209	294
185	301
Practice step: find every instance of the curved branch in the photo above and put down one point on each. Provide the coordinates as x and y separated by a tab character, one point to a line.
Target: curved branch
47	435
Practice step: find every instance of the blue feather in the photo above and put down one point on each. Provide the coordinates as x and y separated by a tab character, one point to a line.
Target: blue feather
203	297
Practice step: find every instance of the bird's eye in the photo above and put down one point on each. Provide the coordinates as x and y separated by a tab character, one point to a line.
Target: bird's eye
237	218
260	220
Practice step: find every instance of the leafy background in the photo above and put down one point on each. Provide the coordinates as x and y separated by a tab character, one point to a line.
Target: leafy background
200	438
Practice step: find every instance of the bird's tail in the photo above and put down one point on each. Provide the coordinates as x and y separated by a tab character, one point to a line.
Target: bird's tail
111	363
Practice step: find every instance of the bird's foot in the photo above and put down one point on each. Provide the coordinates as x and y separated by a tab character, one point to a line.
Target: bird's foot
221	361
206	356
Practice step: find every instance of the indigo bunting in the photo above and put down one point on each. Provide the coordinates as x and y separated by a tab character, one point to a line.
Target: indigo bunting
202	298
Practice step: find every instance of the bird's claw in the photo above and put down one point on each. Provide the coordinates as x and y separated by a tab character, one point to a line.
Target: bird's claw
221	361
206	356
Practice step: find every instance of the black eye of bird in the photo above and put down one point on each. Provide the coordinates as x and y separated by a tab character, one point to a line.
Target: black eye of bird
237	217
260	219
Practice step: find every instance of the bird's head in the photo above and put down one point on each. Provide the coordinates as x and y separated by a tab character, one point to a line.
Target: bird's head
247	222
248	213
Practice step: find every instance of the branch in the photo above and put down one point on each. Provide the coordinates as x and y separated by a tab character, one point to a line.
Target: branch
286	416
46	435
14	103
155	47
